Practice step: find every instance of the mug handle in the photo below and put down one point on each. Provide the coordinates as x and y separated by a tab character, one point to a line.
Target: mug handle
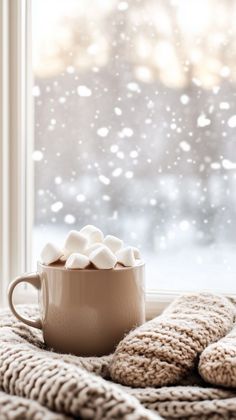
34	280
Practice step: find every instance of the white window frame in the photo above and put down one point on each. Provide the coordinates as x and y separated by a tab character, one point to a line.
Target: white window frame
16	143
16	171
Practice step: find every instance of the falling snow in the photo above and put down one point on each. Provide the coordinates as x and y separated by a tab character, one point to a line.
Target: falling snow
185	146
118	111
37	155
114	148
133	154
106	197
215	165
102	131
134	87
62	100
117	172
69	219
126	132
57	206
184	99
224	105
203	121
232	121
129	174
104	180
227	164
58	180
84	91
80	198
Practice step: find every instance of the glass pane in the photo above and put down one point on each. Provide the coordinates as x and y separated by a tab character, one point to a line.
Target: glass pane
135	125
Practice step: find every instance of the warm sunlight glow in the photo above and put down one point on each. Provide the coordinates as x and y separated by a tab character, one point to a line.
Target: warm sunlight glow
169	36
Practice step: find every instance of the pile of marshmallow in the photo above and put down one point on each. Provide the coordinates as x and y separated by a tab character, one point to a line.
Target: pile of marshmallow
88	246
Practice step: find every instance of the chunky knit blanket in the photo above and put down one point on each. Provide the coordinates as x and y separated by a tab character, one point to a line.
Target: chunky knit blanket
36	383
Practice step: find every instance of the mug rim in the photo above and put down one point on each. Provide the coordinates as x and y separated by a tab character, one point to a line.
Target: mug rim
62	267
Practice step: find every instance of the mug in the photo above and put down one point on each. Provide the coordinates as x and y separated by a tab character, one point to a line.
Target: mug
85	312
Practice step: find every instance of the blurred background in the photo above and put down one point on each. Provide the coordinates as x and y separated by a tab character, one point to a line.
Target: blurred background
135	131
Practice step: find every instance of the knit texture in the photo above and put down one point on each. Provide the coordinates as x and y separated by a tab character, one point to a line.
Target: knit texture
17	408
27	366
217	363
164	350
60	382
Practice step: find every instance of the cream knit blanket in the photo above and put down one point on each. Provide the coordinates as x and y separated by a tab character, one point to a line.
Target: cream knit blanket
36	383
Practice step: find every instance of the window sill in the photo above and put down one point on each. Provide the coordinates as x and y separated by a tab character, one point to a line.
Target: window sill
156	301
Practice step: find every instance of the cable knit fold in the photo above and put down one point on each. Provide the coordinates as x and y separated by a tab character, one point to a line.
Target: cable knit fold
164	350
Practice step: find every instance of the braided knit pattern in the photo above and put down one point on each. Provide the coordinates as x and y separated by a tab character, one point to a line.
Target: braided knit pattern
59	382
164	350
217	363
17	408
21	345
191	402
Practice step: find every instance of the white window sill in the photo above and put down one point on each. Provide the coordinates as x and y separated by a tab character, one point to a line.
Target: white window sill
156	301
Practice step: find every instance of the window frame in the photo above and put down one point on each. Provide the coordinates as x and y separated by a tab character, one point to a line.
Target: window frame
16	169
16	145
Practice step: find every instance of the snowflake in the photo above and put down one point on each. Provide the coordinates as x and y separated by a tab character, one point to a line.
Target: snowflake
84	91
184	99
134	87
58	180
126	132
118	111
69	219
57	206
114	148
104	180
102	131
80	198
62	100
106	197
227	164
129	174
133	154
232	121
203	121
215	165
185	146
224	105
37	155
117	172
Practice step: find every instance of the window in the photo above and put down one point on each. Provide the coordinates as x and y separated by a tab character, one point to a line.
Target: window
134	130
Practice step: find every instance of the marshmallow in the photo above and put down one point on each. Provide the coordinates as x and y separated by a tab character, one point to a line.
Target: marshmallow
65	255
92	248
92	233
50	253
113	243
75	242
103	258
77	260
137	254
125	256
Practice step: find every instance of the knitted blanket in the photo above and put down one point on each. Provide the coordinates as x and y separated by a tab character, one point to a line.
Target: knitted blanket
36	383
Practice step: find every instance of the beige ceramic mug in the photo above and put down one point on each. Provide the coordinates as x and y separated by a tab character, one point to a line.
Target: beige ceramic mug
85	312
